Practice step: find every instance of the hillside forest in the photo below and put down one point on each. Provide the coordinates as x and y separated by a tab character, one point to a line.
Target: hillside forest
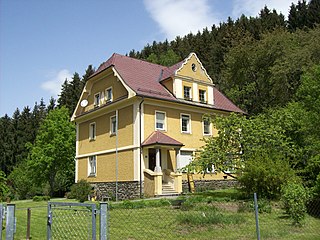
268	65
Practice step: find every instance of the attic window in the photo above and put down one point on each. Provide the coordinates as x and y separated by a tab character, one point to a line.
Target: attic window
193	67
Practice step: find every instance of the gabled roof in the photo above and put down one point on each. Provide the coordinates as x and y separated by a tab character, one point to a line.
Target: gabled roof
144	78
159	138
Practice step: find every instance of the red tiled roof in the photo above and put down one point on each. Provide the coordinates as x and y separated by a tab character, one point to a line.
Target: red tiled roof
144	79
160	138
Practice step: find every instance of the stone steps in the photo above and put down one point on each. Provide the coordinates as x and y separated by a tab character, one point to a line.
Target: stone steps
168	190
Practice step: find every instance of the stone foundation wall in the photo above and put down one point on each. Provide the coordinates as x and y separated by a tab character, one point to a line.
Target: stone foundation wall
201	185
126	190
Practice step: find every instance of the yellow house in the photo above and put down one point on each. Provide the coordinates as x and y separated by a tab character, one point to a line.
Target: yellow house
139	123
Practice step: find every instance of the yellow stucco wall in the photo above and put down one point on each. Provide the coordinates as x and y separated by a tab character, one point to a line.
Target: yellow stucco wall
99	86
106	166
104	140
199	74
168	84
173	124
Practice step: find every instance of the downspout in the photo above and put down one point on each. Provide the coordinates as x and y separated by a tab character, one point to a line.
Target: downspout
140	142
117	155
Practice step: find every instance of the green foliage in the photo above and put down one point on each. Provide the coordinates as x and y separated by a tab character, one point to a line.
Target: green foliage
265	73
241	140
265	175
212	216
264	206
80	190
316	188
40	198
166	59
294	198
3	186
22	184
52	154
71	90
127	204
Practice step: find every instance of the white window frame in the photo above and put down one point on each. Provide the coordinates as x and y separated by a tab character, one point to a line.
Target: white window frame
111	125
92	131
205	96
106	95
189	123
95	103
164	121
92	166
189	92
203	127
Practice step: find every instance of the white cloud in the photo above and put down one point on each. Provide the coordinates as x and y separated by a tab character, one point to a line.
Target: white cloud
53	86
253	7
180	17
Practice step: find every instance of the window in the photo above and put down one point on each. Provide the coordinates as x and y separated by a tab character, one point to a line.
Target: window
109	95
160	120
92	131
202	96
185	123
97	100
185	158
187	93
92	166
113	125
206	127
193	67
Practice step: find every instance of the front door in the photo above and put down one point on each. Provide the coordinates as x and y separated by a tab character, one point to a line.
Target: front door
152	158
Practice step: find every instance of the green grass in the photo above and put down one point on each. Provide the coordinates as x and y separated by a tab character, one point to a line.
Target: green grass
211	215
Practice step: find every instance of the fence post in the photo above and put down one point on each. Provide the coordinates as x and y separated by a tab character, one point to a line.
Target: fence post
10	224
256	213
103	220
28	223
1	214
49	222
94	229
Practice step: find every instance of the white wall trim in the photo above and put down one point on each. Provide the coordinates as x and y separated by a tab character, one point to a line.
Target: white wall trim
76	169
178	88
195	94
210	95
113	150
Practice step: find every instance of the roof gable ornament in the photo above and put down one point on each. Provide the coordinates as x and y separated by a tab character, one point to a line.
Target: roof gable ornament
189	67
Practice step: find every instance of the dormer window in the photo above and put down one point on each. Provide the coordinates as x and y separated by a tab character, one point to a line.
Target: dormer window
202	96
97	100
187	93
109	95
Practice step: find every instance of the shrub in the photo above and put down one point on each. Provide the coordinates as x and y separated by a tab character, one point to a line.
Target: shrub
264	206
40	198
294	198
265	174
37	198
80	190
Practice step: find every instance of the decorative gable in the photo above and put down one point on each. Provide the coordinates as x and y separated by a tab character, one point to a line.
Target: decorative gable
192	83
192	68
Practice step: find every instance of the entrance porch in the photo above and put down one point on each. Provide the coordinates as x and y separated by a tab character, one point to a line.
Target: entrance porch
161	155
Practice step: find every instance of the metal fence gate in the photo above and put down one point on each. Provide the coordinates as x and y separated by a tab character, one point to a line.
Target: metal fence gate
72	221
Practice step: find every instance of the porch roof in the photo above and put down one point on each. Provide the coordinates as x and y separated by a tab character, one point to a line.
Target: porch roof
159	138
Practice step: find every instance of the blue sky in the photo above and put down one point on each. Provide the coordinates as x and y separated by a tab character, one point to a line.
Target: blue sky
44	42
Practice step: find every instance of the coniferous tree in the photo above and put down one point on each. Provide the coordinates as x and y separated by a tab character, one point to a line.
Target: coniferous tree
6	144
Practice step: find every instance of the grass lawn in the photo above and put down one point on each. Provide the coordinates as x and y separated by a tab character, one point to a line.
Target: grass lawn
210	215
